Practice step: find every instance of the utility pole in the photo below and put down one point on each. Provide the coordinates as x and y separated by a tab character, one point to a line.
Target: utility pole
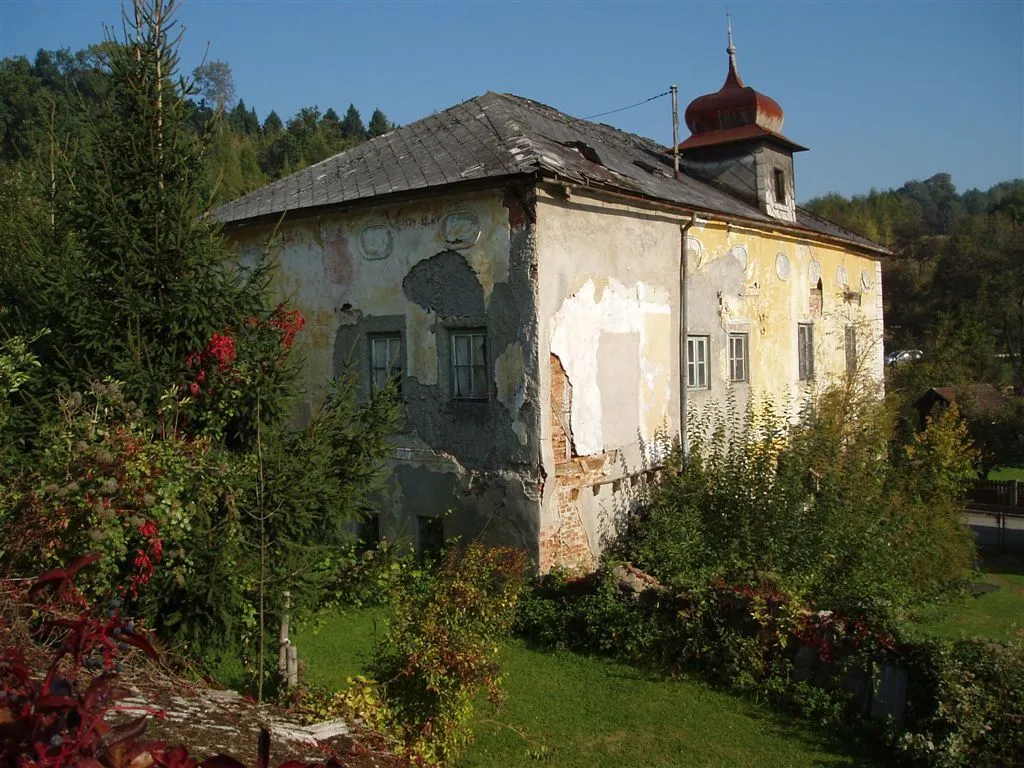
674	90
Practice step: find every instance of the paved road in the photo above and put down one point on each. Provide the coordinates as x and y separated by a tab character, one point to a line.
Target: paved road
986	530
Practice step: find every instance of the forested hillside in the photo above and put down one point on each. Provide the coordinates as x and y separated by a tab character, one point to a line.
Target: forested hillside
955	286
40	117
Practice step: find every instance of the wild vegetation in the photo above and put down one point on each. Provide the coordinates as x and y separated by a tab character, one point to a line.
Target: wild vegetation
146	382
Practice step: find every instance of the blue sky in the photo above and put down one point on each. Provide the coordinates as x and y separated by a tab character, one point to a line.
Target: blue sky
881	92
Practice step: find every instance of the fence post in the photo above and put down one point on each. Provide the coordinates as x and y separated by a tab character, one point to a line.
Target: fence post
283	642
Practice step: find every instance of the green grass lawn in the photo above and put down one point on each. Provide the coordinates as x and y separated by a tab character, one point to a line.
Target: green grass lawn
995	615
1007	473
589	712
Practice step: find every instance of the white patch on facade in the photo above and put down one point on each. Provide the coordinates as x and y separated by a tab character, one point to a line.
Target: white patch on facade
577	329
694	252
865	280
814	272
460	229
739	252
376	242
842	276
782	266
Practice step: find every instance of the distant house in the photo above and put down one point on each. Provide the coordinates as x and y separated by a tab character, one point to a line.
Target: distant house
978	403
553	300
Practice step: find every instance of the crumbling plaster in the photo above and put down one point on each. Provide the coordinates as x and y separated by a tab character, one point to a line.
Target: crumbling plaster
725	296
609	302
423	268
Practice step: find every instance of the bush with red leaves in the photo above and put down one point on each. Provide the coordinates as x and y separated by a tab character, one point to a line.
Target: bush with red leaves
60	721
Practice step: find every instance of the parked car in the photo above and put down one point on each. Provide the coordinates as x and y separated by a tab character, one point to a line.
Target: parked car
899	356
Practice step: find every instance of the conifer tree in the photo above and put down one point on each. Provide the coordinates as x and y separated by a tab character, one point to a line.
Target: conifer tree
352	127
145	278
379	124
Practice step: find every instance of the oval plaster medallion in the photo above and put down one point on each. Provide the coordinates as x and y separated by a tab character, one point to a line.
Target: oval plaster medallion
460	229
814	272
739	252
865	280
375	241
782	266
695	249
842	277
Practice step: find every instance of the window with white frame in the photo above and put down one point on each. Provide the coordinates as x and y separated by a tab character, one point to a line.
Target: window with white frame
805	350
469	364
738	358
386	359
851	349
697	362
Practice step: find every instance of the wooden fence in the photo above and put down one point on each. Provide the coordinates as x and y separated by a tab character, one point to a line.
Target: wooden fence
995	512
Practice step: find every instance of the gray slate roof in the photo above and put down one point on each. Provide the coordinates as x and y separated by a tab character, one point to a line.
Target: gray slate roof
493	136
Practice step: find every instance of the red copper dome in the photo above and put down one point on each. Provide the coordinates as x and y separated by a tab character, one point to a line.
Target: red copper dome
733	113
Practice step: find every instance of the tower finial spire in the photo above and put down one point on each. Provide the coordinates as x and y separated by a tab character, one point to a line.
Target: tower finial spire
733	77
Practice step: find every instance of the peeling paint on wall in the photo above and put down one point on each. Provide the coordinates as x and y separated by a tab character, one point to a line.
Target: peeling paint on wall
510	377
605	306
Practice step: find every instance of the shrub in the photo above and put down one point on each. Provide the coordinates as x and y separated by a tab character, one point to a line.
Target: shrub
829	507
439	652
51	721
967	706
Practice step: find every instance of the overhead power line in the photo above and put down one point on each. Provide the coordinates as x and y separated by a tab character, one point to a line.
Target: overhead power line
623	109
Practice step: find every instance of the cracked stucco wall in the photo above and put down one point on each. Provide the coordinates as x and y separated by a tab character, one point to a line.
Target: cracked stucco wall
746	281
609	301
424	269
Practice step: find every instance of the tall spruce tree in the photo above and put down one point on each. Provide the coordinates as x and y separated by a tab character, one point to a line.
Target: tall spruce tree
379	124
151	275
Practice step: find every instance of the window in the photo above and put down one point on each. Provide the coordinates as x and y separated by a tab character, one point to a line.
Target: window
697	362
469	365
737	357
805	350
851	349
780	186
369	533
386	360
431	535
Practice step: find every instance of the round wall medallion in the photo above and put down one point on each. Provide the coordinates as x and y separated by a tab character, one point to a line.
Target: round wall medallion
375	241
865	280
814	272
842	277
460	229
782	266
739	252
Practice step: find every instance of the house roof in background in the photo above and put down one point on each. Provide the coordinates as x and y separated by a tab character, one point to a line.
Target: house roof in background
974	399
501	135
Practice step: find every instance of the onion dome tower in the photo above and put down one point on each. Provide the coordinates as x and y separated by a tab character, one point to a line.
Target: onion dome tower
737	144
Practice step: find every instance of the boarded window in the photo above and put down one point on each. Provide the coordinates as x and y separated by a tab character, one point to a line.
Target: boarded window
469	365
386	359
738	359
805	350
697	362
851	349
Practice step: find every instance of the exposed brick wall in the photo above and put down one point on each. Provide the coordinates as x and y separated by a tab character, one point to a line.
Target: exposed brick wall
561	406
815	301
566	543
